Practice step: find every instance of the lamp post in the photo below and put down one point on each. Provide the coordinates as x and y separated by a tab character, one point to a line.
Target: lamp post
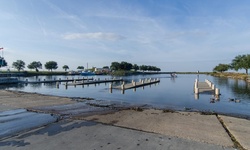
198	75
1	48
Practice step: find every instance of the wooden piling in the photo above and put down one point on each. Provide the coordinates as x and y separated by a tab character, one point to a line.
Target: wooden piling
217	91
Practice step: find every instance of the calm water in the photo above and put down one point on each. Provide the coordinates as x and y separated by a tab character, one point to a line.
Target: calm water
169	93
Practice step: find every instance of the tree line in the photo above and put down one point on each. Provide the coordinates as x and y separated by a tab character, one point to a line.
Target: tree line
128	66
239	62
20	65
52	65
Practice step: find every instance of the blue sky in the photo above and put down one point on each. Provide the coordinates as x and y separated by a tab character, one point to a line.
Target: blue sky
175	35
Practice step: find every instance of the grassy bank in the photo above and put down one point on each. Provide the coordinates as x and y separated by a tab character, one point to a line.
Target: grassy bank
233	75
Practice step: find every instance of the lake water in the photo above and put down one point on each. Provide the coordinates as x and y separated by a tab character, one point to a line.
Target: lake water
172	93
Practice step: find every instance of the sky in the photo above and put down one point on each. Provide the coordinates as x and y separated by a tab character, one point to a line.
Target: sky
174	35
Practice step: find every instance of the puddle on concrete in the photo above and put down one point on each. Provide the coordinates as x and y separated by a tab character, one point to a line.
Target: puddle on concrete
13	122
12	112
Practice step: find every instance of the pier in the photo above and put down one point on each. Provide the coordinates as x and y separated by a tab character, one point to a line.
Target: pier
55	80
134	84
207	86
74	83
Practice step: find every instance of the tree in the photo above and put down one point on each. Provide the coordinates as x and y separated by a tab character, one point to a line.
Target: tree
65	67
19	65
51	65
135	67
115	66
35	65
80	67
125	65
241	62
3	63
221	67
143	68
105	67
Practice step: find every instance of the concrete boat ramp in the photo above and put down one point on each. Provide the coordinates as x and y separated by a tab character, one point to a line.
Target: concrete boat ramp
35	121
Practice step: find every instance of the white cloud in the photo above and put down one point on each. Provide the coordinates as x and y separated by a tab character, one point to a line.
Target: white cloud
96	35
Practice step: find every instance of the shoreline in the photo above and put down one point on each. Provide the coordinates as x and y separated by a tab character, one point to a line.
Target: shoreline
127	106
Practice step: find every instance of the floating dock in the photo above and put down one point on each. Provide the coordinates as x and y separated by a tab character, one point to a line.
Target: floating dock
55	80
207	86
92	82
134	84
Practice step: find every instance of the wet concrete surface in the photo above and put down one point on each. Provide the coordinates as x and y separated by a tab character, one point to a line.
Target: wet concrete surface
239	128
15	121
68	134
76	109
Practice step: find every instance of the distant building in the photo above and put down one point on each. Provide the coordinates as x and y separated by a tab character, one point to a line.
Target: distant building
102	70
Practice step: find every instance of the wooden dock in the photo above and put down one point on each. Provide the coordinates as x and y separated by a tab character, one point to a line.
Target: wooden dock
55	80
92	82
133	84
205	87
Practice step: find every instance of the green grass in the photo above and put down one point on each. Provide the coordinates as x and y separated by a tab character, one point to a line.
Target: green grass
231	75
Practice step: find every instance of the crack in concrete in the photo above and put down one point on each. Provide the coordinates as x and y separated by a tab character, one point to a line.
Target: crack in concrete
234	140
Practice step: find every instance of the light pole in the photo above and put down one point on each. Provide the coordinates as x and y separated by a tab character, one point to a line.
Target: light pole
1	48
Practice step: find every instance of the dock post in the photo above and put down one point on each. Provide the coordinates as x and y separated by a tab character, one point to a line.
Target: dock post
213	87
196	96
66	85
196	85
110	85
196	90
122	87
57	85
217	91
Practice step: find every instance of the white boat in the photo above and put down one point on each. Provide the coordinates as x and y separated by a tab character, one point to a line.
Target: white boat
173	75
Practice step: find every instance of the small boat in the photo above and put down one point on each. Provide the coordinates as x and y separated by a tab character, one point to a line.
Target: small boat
87	73
173	75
